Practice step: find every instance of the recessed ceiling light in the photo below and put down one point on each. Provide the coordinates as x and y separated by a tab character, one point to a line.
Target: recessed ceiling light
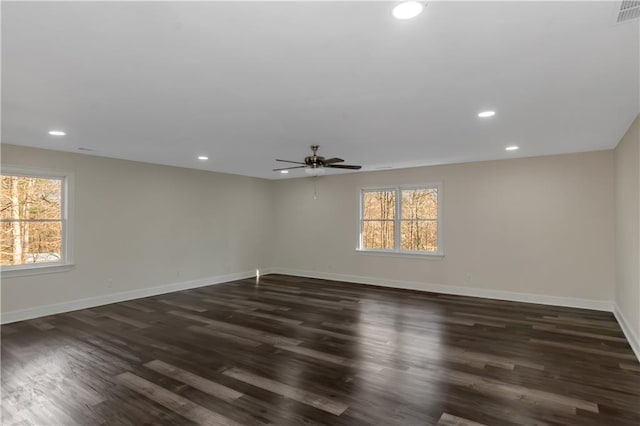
203	157
486	114
284	172
512	148
408	9
56	133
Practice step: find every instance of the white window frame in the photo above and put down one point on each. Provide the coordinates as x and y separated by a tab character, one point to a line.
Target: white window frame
67	191
397	251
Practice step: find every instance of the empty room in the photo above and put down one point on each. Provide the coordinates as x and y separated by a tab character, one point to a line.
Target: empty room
320	213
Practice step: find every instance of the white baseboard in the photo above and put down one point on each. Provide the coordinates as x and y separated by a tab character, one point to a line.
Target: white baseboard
90	302
598	305
631	336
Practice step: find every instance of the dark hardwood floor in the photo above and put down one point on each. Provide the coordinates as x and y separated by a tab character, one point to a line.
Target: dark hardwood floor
292	350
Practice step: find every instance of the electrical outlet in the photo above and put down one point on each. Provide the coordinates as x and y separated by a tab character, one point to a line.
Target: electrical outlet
467	277
108	282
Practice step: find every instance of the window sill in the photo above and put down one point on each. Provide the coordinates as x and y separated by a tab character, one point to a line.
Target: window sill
429	256
36	270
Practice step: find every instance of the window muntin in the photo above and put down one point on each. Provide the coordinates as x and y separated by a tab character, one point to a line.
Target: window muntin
401	219
33	220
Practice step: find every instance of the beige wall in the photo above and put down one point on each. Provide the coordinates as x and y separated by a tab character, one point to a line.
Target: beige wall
540	225
627	190
143	225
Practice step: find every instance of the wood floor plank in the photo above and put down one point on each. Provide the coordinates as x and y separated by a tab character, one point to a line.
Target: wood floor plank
341	336
579	348
334	359
138	307
241	331
301	301
125	320
259	305
184	306
598	336
493	360
225	304
513	392
174	402
320	402
630	367
222	335
270	316
451	420
207	386
78	316
42	325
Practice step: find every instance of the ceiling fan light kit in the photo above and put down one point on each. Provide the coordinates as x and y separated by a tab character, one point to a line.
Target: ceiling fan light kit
314	171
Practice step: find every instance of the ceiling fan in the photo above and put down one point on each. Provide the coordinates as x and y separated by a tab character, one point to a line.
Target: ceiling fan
315	161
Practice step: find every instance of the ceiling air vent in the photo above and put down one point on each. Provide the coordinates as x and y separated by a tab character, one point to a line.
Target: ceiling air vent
629	9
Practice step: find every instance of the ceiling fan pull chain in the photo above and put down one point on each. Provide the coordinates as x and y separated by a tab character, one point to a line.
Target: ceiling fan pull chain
315	187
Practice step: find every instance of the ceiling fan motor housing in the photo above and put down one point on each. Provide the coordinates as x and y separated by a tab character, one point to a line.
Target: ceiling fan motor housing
314	161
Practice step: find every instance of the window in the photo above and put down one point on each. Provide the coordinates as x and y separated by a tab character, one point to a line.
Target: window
401	220
34	219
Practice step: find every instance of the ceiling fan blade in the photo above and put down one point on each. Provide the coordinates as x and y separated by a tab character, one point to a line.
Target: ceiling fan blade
289	168
344	166
333	160
288	161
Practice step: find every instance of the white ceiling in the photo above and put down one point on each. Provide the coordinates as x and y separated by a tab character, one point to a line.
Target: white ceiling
245	83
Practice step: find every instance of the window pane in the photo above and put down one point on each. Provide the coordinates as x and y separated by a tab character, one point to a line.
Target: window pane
421	203
419	235
379	205
31	242
30	198
377	234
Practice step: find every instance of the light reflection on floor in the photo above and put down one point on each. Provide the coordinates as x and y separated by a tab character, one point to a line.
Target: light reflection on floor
391	321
